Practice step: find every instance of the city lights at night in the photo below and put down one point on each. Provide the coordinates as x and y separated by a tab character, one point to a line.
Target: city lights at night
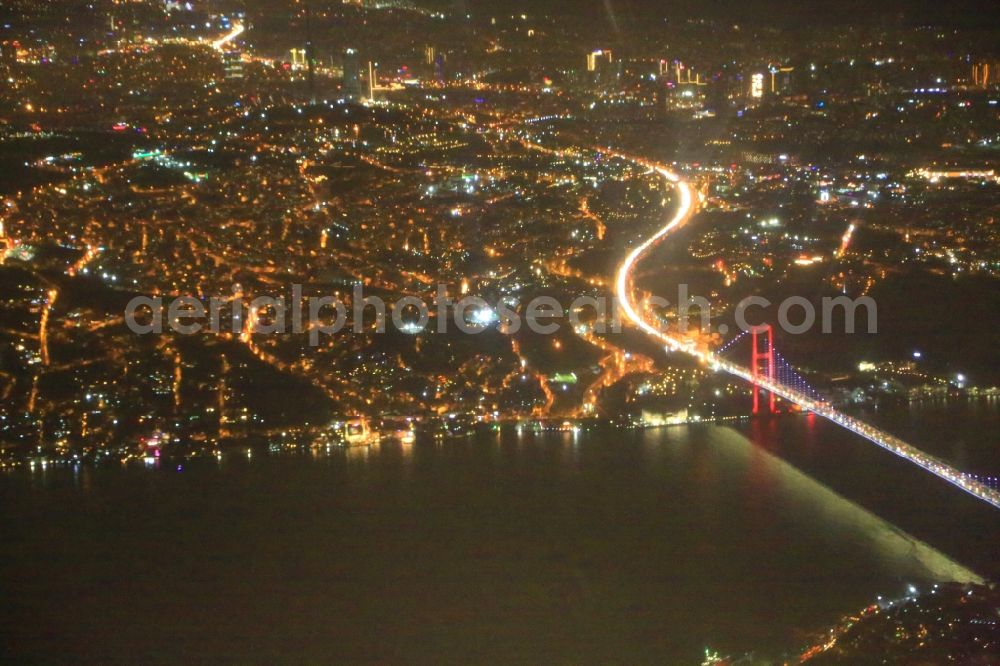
453	331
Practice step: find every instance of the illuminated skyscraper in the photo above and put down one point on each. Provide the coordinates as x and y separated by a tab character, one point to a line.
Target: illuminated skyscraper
232	61
781	79
354	88
439	64
596	59
983	74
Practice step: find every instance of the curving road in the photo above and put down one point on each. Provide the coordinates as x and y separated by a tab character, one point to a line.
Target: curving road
684	212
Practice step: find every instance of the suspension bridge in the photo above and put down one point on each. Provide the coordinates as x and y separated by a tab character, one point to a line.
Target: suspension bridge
767	372
768	362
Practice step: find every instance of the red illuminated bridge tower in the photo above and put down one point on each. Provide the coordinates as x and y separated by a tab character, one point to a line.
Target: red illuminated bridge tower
757	364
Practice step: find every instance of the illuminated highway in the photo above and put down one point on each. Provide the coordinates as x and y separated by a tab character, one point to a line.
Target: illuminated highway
684	212
237	30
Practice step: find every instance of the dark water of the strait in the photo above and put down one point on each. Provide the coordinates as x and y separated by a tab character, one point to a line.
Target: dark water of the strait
623	547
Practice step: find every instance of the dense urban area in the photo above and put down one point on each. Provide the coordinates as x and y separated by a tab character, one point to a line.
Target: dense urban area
408	152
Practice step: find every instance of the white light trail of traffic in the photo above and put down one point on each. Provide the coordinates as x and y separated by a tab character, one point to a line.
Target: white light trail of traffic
883	439
237	30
